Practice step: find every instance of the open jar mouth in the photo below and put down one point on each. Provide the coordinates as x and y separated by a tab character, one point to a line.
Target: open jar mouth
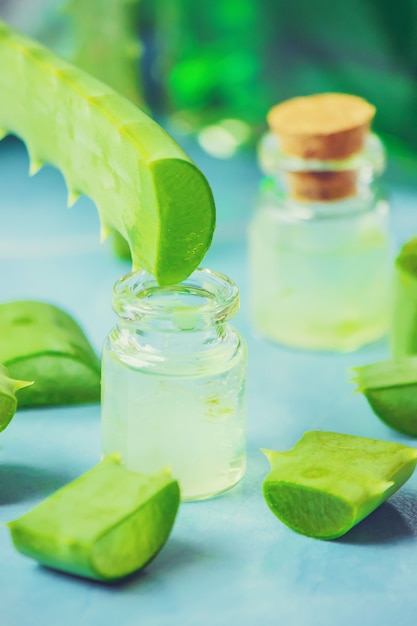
204	297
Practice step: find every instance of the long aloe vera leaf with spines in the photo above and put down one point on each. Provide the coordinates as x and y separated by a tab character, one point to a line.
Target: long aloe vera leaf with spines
107	524
42	343
391	390
106	42
144	185
328	482
403	336
8	400
106	45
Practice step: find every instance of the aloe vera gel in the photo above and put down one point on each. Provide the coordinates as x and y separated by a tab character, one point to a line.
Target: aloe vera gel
320	279
174	382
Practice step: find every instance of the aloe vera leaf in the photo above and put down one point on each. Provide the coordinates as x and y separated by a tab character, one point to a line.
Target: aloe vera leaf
143	184
107	524
120	247
8	401
40	342
107	47
391	390
328	482
106	42
403	333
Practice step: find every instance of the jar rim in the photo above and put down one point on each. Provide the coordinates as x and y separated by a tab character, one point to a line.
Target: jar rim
205	293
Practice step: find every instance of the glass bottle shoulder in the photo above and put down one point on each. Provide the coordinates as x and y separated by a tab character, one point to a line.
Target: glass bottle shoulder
272	200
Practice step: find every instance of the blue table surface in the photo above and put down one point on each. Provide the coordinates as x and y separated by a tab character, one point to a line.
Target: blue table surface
228	560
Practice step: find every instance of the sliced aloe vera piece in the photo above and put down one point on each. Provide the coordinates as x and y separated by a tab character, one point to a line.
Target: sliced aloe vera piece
144	185
8	401
391	390
403	335
329	482
42	343
107	524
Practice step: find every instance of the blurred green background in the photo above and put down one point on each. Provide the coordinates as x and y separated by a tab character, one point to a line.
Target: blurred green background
214	67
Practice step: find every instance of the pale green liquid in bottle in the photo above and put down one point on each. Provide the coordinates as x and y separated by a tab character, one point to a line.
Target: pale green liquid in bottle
323	285
174	382
195	426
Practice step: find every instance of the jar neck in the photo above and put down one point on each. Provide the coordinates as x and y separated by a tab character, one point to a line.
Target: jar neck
312	180
179	352
179	323
181	335
205	299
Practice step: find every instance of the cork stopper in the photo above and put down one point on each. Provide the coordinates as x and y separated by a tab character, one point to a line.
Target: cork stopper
324	127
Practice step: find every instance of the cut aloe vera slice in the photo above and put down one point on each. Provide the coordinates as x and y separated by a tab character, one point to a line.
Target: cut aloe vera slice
42	343
329	482
391	390
8	401
403	335
144	185
107	524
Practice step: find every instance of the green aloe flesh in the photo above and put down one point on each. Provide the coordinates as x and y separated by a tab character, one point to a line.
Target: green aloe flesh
391	390
403	335
8	400
144	185
43	344
105	525
328	482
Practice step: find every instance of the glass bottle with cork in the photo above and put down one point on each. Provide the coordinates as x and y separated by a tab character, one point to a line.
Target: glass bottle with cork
319	243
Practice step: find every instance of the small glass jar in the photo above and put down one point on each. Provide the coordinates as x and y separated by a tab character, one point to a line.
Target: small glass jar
174	381
320	268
